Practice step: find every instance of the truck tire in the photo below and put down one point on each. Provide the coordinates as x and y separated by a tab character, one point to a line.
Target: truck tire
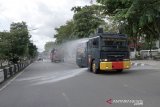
94	68
90	67
119	70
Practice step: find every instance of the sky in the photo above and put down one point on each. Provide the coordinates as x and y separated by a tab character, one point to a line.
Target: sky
42	15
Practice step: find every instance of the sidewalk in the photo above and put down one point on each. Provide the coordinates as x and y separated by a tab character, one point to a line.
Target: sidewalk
147	62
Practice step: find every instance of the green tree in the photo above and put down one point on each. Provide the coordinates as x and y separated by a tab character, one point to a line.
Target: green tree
32	50
16	44
86	20
4	46
20	38
49	46
19	41
64	32
136	17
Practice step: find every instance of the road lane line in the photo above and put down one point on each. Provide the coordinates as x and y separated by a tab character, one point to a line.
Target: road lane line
67	99
135	89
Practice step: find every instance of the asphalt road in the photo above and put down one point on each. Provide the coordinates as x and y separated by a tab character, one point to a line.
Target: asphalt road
45	84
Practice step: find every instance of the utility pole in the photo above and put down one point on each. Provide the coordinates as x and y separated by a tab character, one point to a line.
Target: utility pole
159	41
91	2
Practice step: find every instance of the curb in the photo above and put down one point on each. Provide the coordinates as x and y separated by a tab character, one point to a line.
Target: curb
10	71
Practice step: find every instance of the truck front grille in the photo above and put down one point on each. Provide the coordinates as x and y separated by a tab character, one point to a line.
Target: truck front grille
114	56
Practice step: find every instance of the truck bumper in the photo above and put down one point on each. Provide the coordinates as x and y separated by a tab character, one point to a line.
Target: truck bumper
115	65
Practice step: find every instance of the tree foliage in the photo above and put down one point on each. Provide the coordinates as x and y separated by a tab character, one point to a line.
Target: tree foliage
15	45
64	32
49	46
20	39
136	17
85	21
5	45
32	50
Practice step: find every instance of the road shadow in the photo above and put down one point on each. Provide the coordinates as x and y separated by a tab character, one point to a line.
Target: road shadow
130	72
125	72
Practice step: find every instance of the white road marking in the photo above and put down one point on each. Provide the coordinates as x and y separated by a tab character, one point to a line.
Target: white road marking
67	99
65	96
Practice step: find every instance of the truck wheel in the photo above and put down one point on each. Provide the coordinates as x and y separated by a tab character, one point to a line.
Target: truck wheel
119	70
94	69
90	67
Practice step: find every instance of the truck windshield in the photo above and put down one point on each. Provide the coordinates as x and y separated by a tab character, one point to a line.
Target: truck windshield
114	43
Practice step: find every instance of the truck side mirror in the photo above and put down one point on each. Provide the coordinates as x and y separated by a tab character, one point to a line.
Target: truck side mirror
100	30
95	42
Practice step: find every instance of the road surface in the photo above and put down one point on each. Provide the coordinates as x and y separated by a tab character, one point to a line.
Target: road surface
46	84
